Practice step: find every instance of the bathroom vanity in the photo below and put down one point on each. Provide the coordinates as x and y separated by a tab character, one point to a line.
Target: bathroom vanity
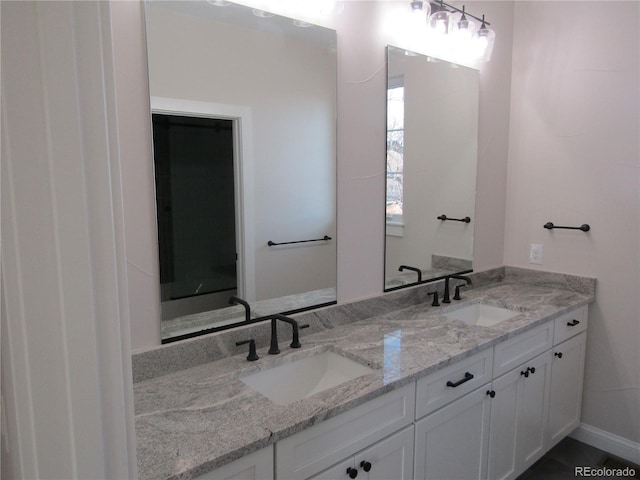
442	398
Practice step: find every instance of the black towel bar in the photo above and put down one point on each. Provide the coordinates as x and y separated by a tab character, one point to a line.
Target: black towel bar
465	219
325	238
584	227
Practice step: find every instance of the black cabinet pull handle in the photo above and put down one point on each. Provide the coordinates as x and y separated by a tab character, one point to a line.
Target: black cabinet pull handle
366	466
352	472
467	376
532	370
491	393
558	354
573	323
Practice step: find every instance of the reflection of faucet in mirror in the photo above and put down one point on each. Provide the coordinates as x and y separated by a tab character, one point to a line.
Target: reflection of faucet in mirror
233	300
445	296
417	270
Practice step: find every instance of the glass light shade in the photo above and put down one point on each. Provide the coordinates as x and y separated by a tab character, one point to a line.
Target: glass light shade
484	40
462	39
464	28
420	11
441	22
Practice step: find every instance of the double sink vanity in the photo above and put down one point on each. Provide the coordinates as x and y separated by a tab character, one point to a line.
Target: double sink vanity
390	387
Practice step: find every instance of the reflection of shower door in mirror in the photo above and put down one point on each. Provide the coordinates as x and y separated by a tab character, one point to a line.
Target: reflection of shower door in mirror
199	222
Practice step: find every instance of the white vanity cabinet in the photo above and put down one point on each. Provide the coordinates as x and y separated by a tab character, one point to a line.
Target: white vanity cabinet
328	449
255	466
567	372
488	416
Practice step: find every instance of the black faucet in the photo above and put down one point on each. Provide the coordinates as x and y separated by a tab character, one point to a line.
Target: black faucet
233	300
295	341
445	296
417	270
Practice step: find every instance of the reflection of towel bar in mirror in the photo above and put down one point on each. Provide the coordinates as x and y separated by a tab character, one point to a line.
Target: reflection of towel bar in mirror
584	227
465	219
323	239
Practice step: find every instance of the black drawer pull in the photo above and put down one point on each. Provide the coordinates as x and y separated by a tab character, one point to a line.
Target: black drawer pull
491	393
573	323
366	466
352	472
467	376
558	354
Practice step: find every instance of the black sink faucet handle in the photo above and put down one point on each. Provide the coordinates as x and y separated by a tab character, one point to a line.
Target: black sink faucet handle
456	295
435	302
253	356
295	340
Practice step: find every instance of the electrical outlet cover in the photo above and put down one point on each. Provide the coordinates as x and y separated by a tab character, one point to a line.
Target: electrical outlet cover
535	254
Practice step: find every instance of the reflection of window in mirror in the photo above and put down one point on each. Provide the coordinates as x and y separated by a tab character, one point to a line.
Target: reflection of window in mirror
395	154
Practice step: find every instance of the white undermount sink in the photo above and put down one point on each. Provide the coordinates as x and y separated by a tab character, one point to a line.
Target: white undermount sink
482	315
304	377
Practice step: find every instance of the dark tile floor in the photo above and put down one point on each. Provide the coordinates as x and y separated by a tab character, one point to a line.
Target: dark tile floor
560	462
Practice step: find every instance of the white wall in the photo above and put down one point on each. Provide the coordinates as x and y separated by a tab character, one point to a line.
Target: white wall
293	116
66	366
574	158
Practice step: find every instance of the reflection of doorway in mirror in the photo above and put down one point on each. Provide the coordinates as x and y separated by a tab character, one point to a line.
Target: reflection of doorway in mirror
202	153
193	160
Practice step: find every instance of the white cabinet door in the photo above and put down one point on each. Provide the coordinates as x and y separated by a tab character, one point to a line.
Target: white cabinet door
389	459
567	371
255	466
534	411
519	413
504	415
452	443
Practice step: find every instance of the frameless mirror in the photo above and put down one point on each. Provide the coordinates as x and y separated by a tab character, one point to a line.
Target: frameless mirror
244	129
432	133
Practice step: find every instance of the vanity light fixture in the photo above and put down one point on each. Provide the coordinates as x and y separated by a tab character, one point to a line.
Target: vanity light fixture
452	32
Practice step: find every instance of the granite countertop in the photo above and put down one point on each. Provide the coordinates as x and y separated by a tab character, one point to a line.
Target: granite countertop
195	420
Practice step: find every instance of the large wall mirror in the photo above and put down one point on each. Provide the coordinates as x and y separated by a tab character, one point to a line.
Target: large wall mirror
432	143
244	108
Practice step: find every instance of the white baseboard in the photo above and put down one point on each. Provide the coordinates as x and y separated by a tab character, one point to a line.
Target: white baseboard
609	442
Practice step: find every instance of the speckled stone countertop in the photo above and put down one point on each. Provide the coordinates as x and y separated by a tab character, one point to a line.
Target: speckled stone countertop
197	419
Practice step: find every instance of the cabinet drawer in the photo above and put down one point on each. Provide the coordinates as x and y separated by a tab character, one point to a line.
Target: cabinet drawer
450	383
519	349
317	448
569	325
